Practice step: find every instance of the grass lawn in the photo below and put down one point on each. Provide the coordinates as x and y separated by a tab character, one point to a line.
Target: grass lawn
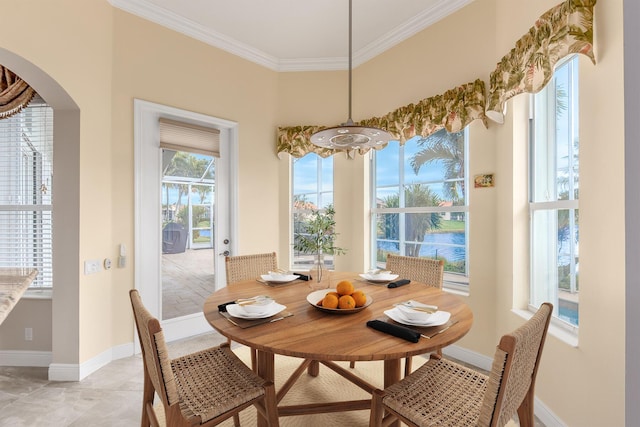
450	226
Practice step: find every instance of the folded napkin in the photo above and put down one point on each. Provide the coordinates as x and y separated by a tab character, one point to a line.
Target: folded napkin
223	307
395	330
398	283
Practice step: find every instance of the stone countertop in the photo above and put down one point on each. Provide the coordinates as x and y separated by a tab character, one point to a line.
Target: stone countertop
13	283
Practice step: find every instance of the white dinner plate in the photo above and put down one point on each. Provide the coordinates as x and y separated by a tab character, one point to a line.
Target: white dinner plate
280	279
379	278
436	319
238	311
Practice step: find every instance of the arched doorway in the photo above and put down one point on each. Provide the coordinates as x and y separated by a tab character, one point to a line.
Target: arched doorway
65	329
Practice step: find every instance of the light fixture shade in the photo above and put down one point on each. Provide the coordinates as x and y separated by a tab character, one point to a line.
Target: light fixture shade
349	136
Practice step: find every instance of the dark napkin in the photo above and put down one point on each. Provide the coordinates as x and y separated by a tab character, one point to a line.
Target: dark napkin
398	283
303	276
395	330
223	307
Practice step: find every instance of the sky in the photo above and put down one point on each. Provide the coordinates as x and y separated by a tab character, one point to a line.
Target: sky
306	174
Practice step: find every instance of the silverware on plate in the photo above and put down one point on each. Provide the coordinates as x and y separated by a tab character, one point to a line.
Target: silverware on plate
252	300
425	308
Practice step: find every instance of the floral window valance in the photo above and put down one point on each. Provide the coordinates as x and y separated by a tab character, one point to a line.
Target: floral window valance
563	30
15	93
453	110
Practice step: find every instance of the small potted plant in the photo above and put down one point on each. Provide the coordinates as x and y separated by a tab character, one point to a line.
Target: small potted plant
317	236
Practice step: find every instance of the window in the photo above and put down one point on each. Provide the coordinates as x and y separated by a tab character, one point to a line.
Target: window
419	203
188	194
26	181
554	179
312	190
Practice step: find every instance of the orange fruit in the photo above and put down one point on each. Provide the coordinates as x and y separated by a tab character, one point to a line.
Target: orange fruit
344	287
334	293
346	301
359	297
330	301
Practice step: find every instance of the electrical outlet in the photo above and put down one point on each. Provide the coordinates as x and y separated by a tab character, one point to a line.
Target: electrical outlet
28	334
91	266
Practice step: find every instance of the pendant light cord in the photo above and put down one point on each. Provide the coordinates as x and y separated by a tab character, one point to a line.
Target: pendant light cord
350	121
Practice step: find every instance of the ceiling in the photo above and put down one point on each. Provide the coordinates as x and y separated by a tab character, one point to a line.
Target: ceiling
295	35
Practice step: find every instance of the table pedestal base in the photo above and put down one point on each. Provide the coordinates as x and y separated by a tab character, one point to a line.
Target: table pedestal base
266	369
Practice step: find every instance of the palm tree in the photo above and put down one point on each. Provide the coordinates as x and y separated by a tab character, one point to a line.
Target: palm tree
187	165
416	224
447	148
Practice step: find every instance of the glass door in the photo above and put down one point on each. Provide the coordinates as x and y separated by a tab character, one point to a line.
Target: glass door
188	251
184	202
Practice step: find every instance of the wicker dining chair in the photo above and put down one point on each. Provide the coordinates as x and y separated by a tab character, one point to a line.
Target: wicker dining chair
245	267
200	389
444	393
424	270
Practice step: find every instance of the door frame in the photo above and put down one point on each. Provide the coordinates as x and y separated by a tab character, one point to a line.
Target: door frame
148	241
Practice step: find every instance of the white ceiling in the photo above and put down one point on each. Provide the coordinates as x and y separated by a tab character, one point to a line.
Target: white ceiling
295	35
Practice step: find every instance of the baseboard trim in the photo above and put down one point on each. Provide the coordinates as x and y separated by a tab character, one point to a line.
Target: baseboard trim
468	356
75	372
40	359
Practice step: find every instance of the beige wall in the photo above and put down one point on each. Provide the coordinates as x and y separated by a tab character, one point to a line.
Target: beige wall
479	35
158	65
108	58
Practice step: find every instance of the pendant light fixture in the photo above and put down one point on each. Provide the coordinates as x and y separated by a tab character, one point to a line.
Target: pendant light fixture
349	136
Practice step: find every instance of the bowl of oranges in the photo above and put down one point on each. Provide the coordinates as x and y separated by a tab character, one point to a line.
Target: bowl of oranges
344	299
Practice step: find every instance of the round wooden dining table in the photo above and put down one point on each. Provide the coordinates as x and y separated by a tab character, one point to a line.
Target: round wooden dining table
316	336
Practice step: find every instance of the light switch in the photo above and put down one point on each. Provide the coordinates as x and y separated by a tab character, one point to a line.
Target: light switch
91	266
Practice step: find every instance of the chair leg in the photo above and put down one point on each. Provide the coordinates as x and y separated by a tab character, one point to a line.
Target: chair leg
147	397
271	405
236	420
525	410
377	410
352	364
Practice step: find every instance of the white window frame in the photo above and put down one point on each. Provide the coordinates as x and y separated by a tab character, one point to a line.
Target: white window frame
26	186
452	281
320	196
543	179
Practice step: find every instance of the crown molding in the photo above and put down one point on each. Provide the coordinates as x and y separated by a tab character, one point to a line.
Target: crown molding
168	19
175	22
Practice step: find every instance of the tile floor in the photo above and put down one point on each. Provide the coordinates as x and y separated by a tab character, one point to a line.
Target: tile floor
109	397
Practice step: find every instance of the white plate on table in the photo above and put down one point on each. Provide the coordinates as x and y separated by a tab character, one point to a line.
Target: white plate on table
379	278
436	319
236	310
280	279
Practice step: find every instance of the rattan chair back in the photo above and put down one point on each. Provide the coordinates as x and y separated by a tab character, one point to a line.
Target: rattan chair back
445	393
425	270
199	389
513	374
246	267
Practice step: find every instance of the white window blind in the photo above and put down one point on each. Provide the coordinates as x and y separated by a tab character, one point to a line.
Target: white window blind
26	181
179	136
